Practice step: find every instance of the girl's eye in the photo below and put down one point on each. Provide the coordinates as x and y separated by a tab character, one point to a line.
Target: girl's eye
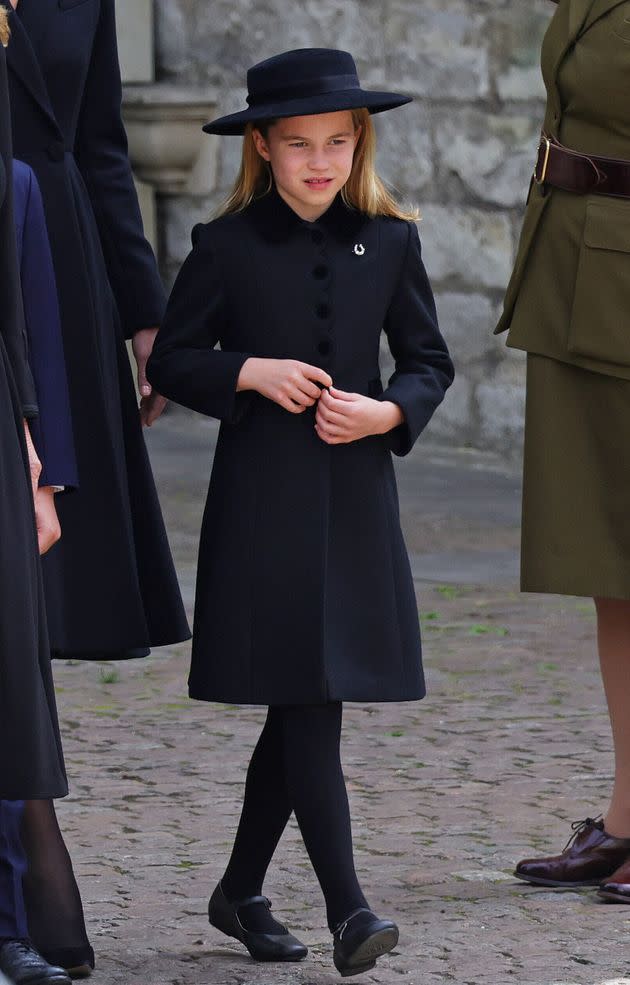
338	141
301	143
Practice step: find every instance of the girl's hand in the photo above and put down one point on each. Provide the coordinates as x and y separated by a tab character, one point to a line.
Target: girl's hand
46	519
289	383
343	417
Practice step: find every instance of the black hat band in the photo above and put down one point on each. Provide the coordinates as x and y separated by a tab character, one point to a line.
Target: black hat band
326	83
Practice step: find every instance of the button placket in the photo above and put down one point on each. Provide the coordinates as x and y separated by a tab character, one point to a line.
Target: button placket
323	307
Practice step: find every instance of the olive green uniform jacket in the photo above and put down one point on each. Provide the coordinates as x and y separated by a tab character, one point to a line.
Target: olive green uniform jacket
569	295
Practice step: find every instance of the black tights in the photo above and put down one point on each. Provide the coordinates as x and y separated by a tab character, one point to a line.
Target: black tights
296	767
53	902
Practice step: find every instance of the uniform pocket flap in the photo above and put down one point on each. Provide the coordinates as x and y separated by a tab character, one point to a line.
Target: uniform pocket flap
608	226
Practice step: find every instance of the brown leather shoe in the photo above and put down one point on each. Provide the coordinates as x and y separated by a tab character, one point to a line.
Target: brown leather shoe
589	857
617	886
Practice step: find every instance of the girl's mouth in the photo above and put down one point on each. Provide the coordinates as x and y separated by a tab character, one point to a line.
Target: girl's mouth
318	182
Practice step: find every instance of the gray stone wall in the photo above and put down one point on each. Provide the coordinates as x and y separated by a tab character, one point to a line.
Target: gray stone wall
462	152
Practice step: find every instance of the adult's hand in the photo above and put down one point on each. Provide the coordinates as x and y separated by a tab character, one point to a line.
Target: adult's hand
34	464
344	417
46	519
288	382
151	403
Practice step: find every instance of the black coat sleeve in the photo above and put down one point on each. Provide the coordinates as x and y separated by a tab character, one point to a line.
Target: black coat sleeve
11	312
101	152
52	433
423	368
185	366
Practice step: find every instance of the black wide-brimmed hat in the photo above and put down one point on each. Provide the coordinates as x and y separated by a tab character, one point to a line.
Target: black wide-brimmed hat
303	83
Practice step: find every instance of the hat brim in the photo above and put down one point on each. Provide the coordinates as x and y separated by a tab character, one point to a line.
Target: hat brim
327	102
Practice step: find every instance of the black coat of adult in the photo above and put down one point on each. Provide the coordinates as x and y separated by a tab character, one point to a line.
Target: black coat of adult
110	584
31	761
304	590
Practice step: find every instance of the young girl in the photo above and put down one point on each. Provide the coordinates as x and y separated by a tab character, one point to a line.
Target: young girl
304	596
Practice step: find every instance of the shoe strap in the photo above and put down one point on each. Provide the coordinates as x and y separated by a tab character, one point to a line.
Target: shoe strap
252	901
341	929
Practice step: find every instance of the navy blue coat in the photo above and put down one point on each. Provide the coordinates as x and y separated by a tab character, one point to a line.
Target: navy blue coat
110	584
304	590
31	763
52	429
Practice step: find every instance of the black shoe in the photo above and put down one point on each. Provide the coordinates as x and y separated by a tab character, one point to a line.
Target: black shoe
78	961
360	940
23	965
280	946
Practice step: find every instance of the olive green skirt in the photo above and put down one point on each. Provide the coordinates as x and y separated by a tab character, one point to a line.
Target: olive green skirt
576	482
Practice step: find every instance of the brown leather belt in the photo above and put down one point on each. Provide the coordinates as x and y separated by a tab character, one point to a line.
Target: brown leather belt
561	167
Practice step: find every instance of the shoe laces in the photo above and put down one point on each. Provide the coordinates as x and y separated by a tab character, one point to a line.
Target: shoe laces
577	827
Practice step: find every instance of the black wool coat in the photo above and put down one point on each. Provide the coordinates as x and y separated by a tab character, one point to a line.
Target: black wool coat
31	761
110	583
304	590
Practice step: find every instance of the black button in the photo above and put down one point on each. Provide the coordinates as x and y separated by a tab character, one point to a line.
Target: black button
56	150
317	236
322	311
320	272
323	347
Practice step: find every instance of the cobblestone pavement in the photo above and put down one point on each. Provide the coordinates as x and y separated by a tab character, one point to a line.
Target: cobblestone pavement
510	746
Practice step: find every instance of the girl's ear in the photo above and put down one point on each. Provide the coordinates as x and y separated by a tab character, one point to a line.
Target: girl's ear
261	144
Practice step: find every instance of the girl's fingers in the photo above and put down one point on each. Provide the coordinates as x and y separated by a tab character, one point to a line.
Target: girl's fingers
343	407
317	374
330	430
310	389
342	395
331	417
291	405
299	397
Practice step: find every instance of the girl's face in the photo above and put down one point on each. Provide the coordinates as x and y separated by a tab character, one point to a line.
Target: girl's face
311	159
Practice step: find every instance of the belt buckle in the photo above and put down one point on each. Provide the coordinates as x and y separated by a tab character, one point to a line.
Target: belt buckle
546	143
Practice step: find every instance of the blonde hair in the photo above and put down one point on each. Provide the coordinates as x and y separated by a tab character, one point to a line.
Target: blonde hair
363	191
4	26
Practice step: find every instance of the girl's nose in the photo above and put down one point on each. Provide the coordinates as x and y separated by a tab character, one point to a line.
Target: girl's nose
317	161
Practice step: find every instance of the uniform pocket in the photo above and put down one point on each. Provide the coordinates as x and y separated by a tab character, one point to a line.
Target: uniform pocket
70	4
600	320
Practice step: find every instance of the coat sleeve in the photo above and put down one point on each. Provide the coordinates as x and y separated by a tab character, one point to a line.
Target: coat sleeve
11	312
102	156
185	366
423	368
52	432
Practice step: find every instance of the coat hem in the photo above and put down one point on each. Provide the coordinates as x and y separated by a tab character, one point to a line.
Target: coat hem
331	698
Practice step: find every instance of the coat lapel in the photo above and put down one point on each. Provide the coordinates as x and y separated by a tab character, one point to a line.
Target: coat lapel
22	60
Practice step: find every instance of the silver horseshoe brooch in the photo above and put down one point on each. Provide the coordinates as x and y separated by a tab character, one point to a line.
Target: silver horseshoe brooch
359	249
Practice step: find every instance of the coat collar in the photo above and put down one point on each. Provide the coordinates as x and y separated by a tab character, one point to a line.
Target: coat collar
277	222
22	61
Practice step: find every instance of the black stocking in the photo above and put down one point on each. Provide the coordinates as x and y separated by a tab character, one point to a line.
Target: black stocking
53	902
297	764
